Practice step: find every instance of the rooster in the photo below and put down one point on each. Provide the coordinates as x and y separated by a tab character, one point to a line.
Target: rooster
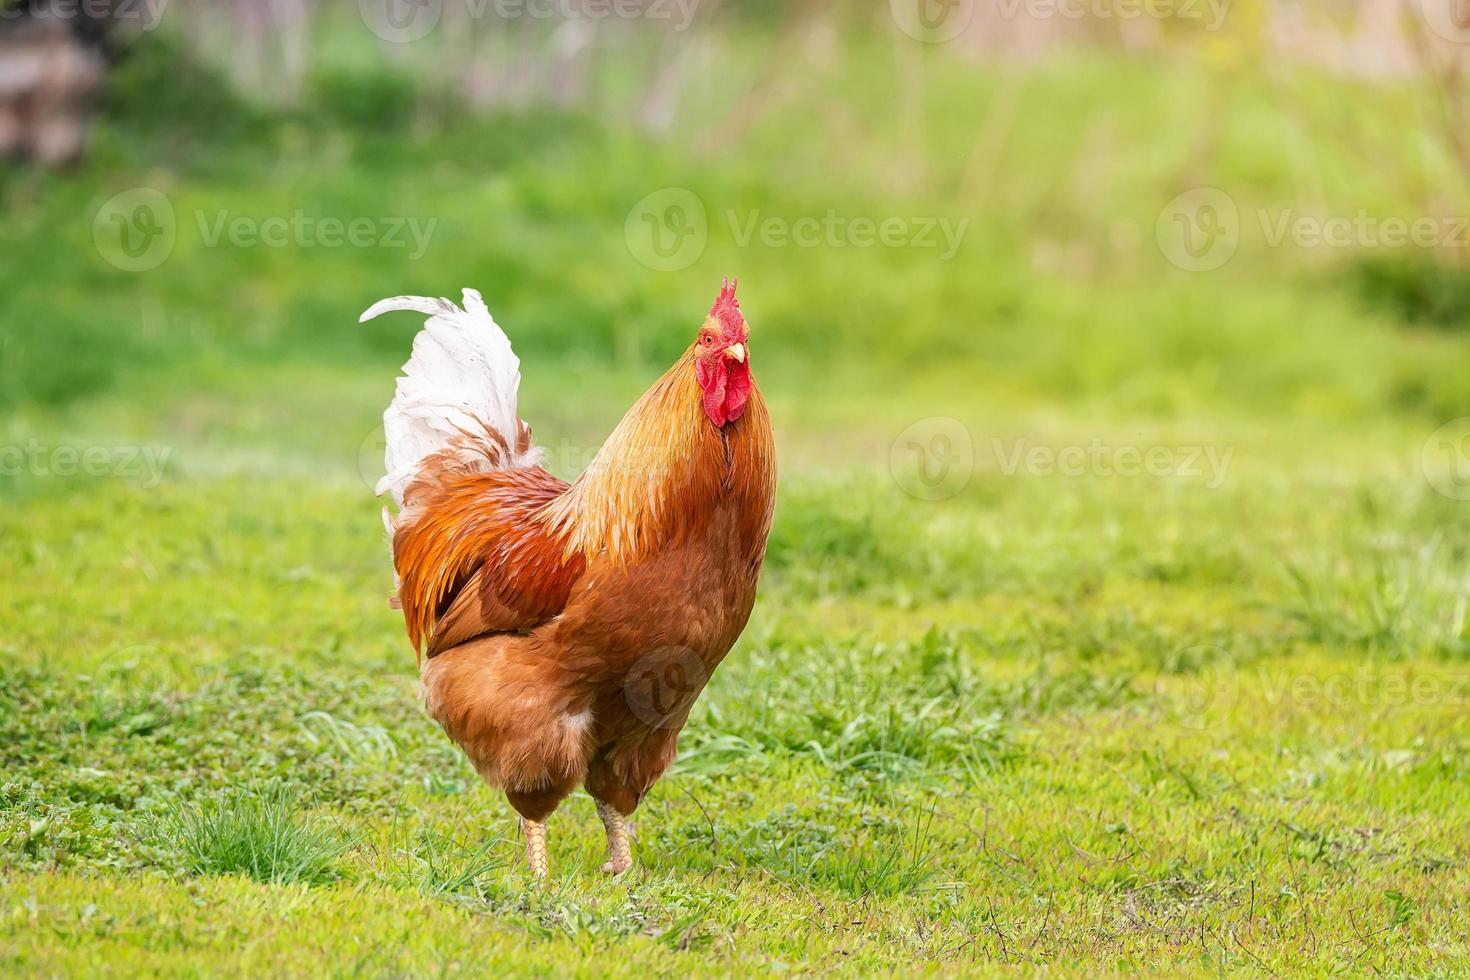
564	631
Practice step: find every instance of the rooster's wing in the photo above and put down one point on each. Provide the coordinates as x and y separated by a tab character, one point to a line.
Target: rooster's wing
474	559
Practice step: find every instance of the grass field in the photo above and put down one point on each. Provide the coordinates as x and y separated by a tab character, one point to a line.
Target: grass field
1114	617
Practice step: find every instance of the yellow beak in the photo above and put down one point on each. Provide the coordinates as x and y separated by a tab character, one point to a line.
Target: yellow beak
737	351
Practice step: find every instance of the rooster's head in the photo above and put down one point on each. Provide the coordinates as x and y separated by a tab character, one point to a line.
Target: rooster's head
722	359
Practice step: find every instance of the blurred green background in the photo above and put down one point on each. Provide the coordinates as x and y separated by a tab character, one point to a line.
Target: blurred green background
991	253
523	147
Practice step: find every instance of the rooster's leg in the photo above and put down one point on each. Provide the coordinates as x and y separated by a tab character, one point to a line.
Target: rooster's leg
619	853
535	846
536	808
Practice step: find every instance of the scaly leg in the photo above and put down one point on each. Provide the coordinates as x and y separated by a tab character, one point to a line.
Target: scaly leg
535	831
619	853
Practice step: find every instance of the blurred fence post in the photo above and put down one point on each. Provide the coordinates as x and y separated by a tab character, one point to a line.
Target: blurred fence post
53	60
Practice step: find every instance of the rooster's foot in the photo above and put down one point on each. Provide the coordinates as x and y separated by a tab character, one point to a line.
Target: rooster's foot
536	847
619	852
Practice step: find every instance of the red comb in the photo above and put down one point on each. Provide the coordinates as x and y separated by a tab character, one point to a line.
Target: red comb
727	307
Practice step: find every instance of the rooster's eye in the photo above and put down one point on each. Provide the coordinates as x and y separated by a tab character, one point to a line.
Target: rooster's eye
708	340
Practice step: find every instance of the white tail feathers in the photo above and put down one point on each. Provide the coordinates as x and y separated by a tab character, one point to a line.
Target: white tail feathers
461	378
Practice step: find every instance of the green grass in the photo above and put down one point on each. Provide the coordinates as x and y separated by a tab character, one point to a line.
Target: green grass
1152	747
255	833
1097	723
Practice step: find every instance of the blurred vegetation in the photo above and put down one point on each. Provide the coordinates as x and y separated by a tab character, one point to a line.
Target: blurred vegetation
1415	291
1058	293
